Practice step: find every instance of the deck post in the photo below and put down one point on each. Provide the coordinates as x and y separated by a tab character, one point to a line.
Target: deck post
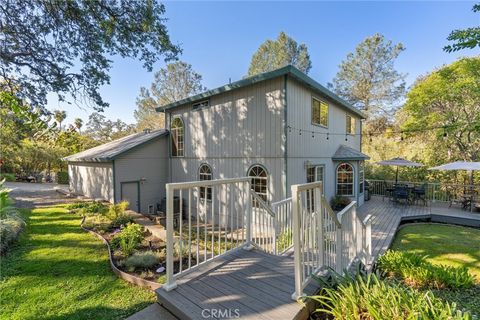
339	250
170	283
368	241
320	236
297	248
250	208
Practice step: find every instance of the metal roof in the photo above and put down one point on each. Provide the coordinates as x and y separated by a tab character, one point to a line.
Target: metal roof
288	70
109	151
346	153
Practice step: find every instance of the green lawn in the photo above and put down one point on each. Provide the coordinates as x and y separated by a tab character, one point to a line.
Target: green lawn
58	271
447	245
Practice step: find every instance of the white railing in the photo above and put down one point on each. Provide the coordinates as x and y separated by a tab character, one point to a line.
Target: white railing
283	215
434	191
263	225
205	220
320	240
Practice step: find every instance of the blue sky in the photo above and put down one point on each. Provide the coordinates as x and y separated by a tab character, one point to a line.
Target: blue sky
219	38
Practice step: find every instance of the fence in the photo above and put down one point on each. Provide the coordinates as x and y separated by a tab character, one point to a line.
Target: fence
434	191
283	225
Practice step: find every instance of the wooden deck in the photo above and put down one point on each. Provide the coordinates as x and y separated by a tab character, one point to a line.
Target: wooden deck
386	217
256	285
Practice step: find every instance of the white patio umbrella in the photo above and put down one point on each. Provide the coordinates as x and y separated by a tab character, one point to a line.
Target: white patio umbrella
399	162
461	165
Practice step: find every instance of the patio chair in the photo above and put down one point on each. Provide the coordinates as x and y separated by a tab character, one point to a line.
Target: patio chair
388	191
401	193
419	194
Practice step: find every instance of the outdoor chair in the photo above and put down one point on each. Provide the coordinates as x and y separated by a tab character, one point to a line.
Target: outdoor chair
419	194
401	193
388	191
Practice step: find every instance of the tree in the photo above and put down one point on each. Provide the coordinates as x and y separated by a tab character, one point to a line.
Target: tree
174	82
368	80
65	46
464	39
447	99
78	123
59	116
100	129
274	54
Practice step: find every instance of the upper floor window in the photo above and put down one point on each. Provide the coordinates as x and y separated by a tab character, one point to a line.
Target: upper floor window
361	176
177	132
350	124
319	112
205	173
201	104
345	180
259	180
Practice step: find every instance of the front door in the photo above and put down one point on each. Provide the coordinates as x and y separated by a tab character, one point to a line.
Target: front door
130	194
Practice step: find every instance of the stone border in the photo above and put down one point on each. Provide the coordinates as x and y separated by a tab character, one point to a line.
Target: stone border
125	276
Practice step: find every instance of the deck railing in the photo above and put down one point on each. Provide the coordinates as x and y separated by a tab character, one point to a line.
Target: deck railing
322	238
263	225
205	220
434	191
283	223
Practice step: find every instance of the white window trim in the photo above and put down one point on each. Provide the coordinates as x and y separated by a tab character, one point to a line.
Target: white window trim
171	140
354	121
316	166
267	195
361	176
211	178
353	182
311	112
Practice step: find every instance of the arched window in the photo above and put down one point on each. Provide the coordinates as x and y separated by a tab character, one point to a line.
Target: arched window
177	133
205	173
345	180
259	181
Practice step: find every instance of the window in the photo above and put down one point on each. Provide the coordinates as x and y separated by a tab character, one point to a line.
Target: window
259	181
205	173
361	176
319	112
315	173
350	125
201	104
345	180
177	132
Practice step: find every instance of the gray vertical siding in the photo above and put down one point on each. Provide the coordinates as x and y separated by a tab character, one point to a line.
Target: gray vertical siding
148	162
317	150
92	179
240	128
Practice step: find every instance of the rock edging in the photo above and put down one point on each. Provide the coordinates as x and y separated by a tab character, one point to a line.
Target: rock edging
125	276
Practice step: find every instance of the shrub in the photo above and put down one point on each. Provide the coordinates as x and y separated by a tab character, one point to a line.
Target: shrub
416	271
128	239
62	177
117	209
10	228
121	220
339	202
88	208
368	297
284	240
10	177
142	260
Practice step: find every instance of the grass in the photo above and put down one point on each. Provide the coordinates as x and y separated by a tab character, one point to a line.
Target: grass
58	271
446	245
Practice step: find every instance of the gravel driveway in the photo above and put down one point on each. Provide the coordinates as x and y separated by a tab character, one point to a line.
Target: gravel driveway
29	195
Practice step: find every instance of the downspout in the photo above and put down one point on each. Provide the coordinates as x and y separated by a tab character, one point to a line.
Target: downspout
113	180
285	132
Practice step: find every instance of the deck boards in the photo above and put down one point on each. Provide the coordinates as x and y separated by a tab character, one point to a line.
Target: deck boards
260	285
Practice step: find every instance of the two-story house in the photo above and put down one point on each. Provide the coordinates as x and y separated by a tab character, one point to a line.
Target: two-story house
280	128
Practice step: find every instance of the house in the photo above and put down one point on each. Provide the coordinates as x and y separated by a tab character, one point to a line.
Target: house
280	128
133	168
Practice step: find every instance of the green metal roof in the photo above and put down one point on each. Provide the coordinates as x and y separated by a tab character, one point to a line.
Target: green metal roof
288	70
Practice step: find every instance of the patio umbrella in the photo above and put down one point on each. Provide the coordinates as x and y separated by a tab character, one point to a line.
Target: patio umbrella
460	165
399	162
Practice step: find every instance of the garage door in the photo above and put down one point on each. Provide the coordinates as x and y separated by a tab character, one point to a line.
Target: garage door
130	194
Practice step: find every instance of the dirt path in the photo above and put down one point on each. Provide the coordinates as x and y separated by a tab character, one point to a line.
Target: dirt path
29	195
